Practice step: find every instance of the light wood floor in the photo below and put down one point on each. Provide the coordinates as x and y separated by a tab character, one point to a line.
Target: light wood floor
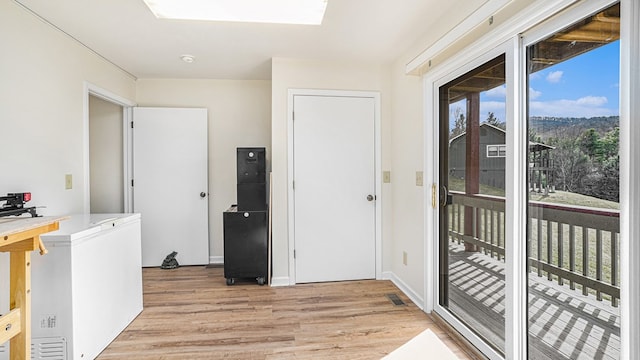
190	313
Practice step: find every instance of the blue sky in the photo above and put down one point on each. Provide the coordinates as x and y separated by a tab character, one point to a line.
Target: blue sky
585	86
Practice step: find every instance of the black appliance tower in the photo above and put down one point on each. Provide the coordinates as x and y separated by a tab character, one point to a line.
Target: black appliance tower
245	224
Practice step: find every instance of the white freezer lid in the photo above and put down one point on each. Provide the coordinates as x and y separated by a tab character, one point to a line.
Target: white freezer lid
83	225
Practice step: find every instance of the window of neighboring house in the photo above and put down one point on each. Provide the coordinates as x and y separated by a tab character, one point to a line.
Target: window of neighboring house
496	150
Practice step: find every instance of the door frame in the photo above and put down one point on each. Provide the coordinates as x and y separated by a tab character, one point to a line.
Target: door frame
290	173
127	105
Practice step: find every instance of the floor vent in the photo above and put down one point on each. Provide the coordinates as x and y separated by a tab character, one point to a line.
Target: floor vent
395	299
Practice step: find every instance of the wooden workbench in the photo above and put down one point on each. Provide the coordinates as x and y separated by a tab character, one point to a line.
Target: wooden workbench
19	236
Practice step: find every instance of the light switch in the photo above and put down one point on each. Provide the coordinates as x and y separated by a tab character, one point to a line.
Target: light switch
68	181
419	178
386	177
404	258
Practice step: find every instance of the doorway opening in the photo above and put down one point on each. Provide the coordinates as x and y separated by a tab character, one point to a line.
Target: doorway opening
105	156
107	153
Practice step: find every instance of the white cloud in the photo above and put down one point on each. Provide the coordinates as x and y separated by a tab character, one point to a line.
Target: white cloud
534	94
592	101
498	92
588	106
554	76
491	106
496	107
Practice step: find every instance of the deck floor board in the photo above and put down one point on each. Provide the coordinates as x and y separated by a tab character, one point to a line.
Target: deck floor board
563	323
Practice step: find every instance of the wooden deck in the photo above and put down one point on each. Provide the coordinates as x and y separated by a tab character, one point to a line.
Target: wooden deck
563	324
189	313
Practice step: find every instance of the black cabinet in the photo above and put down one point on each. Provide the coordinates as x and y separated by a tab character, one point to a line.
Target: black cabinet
245	224
251	165
245	245
252	197
251	182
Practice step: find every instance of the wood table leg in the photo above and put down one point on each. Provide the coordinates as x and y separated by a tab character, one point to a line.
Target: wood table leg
20	285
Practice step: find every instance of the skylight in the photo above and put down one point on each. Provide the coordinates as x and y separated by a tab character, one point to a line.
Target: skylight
301	12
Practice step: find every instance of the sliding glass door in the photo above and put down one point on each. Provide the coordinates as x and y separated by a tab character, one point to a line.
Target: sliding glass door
573	191
473	133
528	180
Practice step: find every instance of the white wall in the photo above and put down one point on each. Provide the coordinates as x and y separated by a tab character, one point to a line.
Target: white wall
408	151
407	154
106	156
305	74
42	74
239	115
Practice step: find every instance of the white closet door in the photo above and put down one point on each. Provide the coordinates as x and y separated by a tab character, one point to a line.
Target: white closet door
170	183
334	174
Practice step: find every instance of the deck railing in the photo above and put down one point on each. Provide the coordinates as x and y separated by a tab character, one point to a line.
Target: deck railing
567	244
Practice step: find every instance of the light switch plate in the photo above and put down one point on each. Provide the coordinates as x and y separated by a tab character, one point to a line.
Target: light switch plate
68	181
386	177
419	178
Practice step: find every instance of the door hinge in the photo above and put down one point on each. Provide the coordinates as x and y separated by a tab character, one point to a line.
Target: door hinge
293	116
132	124
294	254
433	195
131	182
294	184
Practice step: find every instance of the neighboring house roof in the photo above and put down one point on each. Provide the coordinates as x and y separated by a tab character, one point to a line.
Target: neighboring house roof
535	146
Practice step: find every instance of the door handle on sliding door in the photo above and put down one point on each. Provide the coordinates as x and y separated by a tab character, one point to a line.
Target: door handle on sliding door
445	197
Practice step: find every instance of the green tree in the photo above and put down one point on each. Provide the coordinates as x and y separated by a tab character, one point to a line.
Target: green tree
590	143
493	120
571	164
609	145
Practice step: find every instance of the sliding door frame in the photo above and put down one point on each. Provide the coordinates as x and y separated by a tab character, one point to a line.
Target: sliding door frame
433	82
629	178
536	22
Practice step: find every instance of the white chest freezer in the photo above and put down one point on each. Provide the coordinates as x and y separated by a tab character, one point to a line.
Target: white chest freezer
86	290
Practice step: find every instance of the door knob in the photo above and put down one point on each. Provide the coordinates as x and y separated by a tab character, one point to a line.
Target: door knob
203	194
370	197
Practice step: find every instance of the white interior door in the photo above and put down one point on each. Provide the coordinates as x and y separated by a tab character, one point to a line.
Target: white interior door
170	183
334	174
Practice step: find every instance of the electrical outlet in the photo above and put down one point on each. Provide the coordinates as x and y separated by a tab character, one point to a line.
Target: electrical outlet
419	178
386	177
68	181
404	257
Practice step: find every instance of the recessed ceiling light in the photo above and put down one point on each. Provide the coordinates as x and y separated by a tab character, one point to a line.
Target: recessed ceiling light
188	58
302	12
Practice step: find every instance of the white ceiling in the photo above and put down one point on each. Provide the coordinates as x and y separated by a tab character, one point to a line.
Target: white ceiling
126	33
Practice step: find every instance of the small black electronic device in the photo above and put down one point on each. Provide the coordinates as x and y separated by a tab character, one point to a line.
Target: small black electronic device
14	205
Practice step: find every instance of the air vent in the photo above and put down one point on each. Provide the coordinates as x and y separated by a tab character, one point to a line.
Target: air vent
52	348
395	299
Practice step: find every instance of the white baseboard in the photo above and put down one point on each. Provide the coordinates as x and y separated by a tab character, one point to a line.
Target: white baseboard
412	295
216	260
280	281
